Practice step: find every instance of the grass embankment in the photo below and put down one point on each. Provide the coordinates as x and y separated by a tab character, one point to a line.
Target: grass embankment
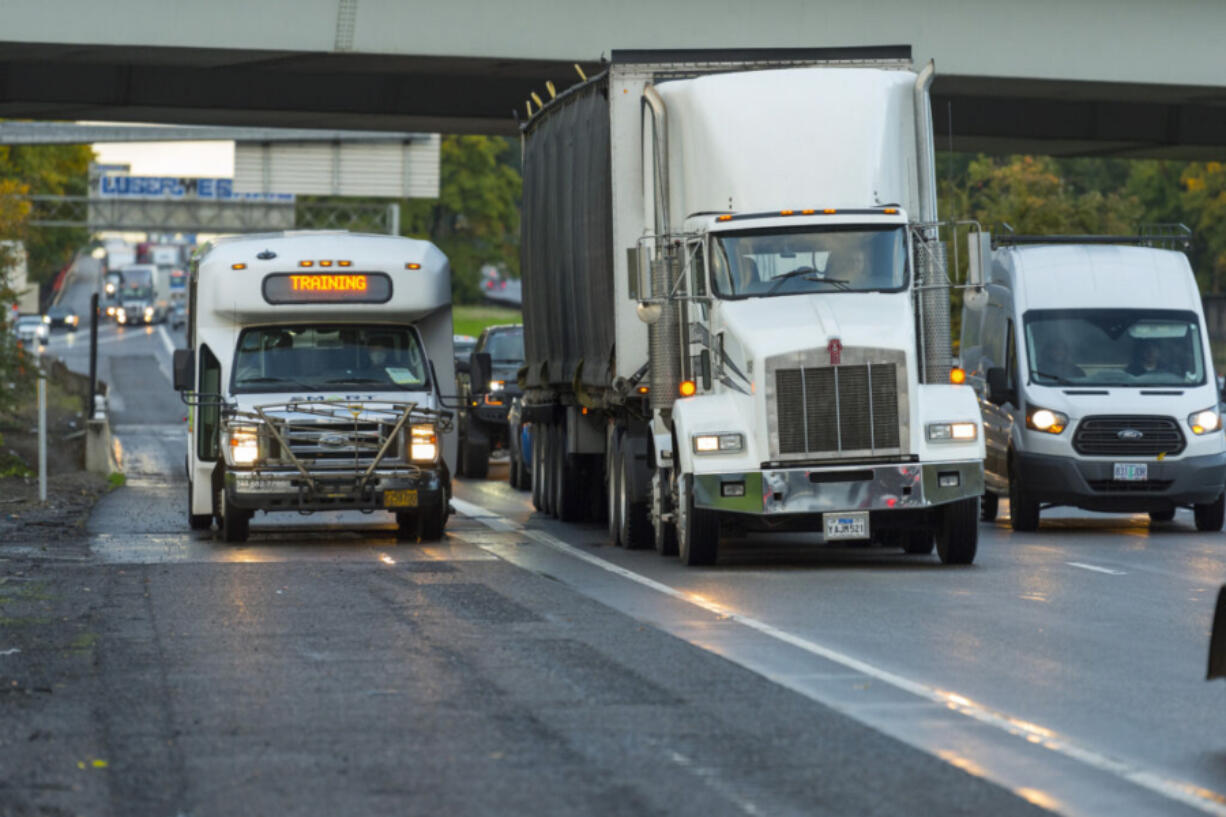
470	320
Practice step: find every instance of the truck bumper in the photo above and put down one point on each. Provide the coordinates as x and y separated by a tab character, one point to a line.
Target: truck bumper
1090	484
287	491
807	491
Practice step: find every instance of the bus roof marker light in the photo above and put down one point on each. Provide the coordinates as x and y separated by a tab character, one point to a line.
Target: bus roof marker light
306	263
238	266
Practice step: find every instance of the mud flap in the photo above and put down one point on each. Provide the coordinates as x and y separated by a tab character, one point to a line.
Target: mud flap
1217	639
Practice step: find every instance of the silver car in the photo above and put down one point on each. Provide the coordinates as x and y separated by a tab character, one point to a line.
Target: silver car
31	328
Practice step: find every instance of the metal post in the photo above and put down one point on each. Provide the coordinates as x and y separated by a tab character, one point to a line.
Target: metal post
93	355
42	438
393	218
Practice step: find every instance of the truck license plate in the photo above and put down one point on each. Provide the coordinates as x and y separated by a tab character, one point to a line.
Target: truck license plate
846	525
406	498
1131	471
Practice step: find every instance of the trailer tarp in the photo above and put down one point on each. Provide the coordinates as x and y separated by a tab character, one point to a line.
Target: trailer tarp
567	249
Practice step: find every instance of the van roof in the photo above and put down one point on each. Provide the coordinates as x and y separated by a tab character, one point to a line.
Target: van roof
1106	276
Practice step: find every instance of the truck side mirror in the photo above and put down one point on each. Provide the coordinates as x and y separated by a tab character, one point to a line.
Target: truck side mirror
185	369
704	366
998	386
481	370
462	366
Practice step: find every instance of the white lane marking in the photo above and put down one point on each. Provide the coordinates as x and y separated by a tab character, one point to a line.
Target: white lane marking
166	341
712	778
1098	569
12	651
1201	799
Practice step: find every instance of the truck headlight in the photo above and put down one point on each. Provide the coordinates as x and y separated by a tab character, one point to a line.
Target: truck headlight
497	385
963	432
423	443
1046	420
46	319
148	312
1205	422
718	443
244	445
121	315
110	289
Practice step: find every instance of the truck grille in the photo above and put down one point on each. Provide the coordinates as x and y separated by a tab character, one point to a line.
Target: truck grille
1112	436
839	410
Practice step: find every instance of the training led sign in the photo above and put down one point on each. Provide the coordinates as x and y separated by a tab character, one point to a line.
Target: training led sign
327	288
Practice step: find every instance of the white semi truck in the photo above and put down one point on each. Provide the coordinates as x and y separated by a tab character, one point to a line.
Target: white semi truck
736	307
311	373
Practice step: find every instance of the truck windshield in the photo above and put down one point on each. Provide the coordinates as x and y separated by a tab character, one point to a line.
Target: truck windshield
325	357
506	347
1114	347
851	258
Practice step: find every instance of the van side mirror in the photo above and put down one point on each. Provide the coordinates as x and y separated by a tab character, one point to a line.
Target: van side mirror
185	369
480	372
998	386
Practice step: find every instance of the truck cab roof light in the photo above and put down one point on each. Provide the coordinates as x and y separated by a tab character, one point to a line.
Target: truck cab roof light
344	263
644	389
830	211
890	211
957	376
238	266
411	265
724	218
786	212
807	212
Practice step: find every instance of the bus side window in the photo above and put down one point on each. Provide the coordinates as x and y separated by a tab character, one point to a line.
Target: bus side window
209	411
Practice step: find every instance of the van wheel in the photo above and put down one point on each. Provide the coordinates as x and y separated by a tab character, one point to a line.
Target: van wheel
1023	511
1209	516
197	521
235	522
989	506
664	533
958	536
1162	516
476	456
697	528
917	542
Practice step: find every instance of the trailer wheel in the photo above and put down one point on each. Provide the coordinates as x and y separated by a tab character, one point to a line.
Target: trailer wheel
697	528
235	522
633	518
538	474
612	485
663	533
547	473
989	506
958	535
475	454
513	462
1023	511
1209	516
197	521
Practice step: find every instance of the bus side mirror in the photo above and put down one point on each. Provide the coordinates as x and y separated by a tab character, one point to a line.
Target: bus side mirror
482	367
978	258
998	386
185	369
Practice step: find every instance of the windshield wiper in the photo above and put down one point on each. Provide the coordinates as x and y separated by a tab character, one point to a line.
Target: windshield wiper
1050	376
249	380
805	271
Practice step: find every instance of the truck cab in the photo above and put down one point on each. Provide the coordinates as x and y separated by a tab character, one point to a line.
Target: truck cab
487	385
315	372
1092	361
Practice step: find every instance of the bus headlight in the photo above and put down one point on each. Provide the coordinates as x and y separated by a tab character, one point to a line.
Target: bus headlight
423	443
718	443
244	445
953	432
1204	422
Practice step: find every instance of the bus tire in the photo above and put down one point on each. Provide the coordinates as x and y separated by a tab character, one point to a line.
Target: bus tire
197	521
476	454
235	522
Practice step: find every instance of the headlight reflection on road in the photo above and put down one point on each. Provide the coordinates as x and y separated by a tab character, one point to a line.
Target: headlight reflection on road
387	560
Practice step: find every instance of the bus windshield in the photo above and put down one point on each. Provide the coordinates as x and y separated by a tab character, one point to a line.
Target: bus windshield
326	357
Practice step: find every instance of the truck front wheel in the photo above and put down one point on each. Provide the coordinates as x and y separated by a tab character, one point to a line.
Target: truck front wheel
697	528
958	535
664	533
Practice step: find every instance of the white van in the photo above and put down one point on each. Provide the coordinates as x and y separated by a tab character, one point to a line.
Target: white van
1092	362
315	369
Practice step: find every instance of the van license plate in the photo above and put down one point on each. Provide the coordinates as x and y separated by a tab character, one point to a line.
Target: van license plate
1131	472
406	498
846	525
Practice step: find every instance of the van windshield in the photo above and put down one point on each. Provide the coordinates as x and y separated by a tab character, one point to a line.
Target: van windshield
852	258
1114	347
326	357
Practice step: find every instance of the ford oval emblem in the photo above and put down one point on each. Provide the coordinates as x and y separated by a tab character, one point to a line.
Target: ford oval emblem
333	440
1130	434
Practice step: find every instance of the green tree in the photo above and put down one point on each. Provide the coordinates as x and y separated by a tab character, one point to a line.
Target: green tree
14	373
475	219
60	170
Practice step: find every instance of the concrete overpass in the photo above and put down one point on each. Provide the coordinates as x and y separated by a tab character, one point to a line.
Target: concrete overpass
1129	78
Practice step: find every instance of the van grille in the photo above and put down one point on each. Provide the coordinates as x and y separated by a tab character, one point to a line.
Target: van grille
836	410
1112	436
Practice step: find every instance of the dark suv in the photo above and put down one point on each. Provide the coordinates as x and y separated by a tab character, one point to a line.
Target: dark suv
487	382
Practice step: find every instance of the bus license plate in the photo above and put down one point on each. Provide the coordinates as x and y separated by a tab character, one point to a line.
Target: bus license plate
846	525
1131	472
406	498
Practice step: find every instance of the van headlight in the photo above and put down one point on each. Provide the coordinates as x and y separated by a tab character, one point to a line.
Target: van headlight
1205	421
1046	420
726	443
243	445
961	432
423	443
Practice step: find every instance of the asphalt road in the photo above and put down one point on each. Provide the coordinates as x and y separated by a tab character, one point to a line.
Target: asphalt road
523	666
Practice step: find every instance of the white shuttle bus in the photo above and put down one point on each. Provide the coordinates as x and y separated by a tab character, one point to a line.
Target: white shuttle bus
311	376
